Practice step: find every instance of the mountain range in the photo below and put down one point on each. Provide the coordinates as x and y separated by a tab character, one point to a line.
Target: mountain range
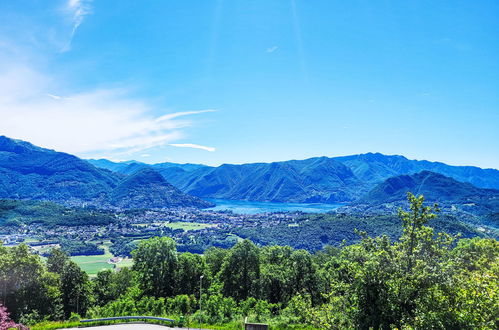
320	179
436	188
33	173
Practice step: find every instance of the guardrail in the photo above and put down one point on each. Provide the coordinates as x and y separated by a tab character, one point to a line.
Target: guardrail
117	318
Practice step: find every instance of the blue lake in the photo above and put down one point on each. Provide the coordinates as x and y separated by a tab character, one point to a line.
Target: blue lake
252	207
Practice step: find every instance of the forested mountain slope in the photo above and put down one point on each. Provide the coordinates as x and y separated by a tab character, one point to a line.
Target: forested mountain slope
33	173
319	179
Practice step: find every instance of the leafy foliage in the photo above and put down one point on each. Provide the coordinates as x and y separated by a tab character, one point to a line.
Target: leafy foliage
156	262
6	323
14	212
420	279
79	248
314	232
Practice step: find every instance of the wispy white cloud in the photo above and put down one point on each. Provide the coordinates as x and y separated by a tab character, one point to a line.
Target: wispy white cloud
77	10
55	97
191	145
105	122
171	116
44	109
272	49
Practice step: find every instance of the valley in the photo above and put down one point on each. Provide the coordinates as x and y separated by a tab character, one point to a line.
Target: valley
101	212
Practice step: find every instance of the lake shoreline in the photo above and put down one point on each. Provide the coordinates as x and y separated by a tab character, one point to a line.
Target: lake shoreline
255	207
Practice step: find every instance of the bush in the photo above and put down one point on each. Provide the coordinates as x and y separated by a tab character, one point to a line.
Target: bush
74	317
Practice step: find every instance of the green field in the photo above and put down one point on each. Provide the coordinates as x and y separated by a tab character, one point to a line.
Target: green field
93	264
127	262
187	226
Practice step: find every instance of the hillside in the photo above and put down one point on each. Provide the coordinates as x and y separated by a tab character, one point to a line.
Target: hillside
449	193
314	180
313	232
376	167
148	189
434	186
33	173
15	212
319	179
30	172
132	166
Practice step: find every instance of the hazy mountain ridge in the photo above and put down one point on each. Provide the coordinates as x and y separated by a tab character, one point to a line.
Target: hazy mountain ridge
33	173
473	205
435	187
30	172
375	167
313	180
149	189
319	179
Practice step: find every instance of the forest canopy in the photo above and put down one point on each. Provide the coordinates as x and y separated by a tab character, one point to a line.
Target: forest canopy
424	279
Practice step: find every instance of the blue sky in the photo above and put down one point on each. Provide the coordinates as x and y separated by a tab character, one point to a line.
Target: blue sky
245	81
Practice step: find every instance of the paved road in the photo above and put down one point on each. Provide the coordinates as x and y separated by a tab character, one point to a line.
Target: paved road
134	326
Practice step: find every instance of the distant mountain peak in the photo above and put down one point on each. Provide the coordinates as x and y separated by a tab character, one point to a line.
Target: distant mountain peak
434	186
149	189
16	146
146	176
34	173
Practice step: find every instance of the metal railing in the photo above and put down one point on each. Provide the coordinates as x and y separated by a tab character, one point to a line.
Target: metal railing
117	318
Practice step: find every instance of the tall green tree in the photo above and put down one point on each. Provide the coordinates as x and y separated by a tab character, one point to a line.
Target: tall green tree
276	273
381	285
240	273
215	258
76	289
102	287
304	275
56	260
156	261
187	277
25	284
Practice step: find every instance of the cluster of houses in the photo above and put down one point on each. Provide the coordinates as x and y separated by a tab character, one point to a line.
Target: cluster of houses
151	222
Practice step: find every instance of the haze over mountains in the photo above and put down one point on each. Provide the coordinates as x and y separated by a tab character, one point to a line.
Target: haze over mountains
320	179
30	172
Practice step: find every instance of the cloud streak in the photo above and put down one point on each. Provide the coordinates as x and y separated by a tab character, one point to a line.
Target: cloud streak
272	49
44	109
105	122
180	114
77	9
191	145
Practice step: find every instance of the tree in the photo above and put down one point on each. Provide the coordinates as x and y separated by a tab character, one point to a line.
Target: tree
76	292
215	258
276	273
101	286
381	285
25	284
240	273
121	281
56	260
190	268
156	263
303	277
